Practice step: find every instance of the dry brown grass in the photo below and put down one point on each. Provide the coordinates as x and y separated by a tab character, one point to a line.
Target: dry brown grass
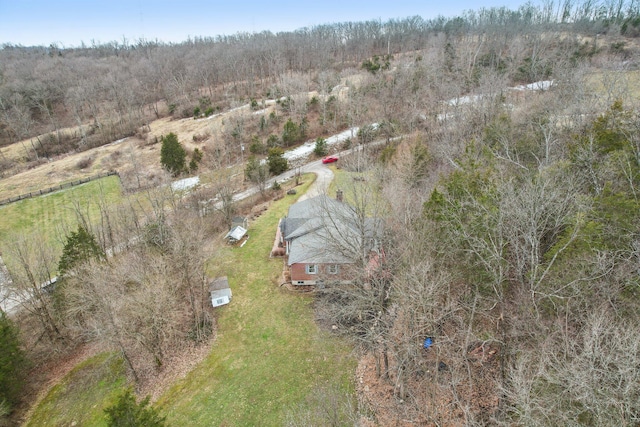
28	175
120	156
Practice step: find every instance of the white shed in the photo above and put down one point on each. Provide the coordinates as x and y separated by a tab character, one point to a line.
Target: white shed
220	291
236	234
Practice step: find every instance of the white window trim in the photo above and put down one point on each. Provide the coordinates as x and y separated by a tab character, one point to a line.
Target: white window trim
333	269
311	269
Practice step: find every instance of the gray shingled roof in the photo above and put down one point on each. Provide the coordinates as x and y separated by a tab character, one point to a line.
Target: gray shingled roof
289	225
312	248
315	207
321	229
219	283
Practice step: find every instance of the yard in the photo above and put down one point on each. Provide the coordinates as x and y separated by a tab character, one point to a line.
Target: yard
269	359
52	213
270	356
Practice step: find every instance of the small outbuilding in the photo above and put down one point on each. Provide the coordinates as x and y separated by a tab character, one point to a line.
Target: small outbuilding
236	234
220	291
242	221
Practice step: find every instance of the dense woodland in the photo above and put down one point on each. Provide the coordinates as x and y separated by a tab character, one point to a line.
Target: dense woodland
511	221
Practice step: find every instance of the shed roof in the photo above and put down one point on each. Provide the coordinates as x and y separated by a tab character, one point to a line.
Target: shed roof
221	293
239	220
219	283
236	233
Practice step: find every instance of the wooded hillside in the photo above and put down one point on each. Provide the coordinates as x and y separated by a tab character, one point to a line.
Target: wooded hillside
507	172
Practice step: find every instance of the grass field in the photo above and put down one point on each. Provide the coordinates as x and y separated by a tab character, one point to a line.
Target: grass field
81	397
269	356
51	213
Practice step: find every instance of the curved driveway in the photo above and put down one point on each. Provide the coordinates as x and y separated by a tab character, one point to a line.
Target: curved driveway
324	176
320	186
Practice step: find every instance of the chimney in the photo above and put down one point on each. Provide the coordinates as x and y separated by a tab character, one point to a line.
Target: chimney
339	195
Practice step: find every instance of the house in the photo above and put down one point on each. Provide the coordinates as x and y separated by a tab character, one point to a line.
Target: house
324	240
236	234
220	291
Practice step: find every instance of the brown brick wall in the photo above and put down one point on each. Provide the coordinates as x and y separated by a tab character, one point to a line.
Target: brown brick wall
298	273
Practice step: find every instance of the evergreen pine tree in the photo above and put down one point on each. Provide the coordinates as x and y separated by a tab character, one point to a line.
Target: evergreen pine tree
172	155
12	362
81	245
276	161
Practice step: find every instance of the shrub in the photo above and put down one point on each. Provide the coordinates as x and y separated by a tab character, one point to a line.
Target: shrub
199	137
204	102
186	112
273	141
257	147
374	65
196	158
85	162
127	413
290	133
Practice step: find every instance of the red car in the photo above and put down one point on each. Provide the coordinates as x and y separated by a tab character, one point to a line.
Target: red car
329	159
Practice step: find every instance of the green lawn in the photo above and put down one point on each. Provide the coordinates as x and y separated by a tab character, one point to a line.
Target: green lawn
269	356
81	397
49	214
361	186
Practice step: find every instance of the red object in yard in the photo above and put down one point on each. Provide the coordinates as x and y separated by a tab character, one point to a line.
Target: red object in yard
329	159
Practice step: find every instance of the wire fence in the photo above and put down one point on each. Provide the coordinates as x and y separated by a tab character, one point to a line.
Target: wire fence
57	188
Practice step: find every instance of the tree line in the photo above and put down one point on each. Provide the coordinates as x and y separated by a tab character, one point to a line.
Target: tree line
116	87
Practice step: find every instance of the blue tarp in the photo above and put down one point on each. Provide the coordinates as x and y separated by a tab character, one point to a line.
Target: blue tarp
427	342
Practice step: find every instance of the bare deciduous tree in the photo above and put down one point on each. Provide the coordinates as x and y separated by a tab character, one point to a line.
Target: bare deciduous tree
32	264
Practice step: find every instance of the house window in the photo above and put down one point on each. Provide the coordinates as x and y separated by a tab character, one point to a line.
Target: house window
312	269
333	269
